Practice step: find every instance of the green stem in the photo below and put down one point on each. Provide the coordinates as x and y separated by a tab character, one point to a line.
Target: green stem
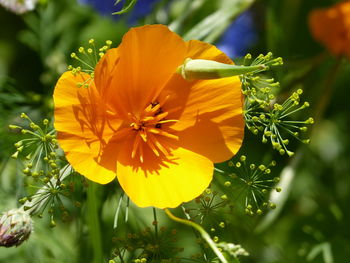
328	89
94	224
203	233
155	223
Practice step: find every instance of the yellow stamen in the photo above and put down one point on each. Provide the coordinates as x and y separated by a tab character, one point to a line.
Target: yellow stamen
163	133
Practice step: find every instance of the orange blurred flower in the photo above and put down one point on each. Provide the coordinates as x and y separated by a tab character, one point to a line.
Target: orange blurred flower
331	27
140	121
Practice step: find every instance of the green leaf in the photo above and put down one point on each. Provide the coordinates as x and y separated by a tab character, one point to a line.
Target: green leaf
208	28
126	8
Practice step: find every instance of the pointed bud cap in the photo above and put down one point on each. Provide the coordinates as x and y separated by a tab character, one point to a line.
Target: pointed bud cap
208	69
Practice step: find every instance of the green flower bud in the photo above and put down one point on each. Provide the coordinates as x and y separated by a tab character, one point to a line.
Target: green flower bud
209	69
15	227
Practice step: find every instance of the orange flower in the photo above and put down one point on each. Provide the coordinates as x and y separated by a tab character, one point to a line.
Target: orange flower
331	27
140	121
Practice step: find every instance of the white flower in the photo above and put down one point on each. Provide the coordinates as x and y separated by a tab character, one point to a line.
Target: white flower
19	6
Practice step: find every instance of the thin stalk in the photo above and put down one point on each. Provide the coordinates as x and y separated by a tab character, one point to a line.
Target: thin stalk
328	89
203	233
94	224
155	223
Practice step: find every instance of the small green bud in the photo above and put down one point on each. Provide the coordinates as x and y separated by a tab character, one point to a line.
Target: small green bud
276	179
15	155
52	223
310	121
223	197
24	116
20	149
13	127
290	153
34	126
222	224
262	167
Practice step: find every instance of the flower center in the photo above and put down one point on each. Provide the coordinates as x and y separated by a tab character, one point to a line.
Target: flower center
150	126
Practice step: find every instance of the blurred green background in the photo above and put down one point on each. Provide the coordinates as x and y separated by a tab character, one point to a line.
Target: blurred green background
311	222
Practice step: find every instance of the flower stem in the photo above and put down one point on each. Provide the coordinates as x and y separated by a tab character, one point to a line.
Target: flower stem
94	224
155	223
203	233
328	89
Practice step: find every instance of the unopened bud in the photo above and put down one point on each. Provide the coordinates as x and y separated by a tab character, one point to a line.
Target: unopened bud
209	69
15	227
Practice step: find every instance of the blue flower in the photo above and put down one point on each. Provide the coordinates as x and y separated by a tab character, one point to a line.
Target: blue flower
239	36
107	7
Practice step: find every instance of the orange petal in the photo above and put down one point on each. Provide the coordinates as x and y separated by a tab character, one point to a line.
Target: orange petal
166	184
82	125
331	27
210	112
83	158
103	80
149	55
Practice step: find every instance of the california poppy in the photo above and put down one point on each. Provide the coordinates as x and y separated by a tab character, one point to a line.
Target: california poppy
331	27
141	121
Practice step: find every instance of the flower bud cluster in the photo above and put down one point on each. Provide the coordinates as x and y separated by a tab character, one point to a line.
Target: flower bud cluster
250	185
256	86
206	205
87	58
264	115
43	169
149	246
38	149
